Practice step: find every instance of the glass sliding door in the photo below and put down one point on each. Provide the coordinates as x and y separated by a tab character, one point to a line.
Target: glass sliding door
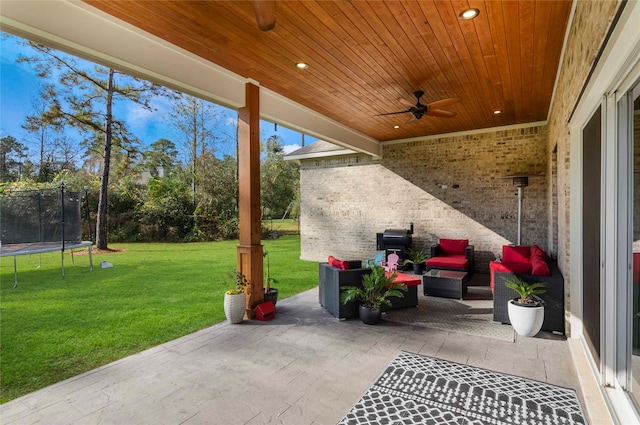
591	231
633	121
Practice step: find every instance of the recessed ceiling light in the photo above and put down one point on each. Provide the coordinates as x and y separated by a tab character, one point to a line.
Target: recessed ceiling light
469	14
396	126
301	65
497	112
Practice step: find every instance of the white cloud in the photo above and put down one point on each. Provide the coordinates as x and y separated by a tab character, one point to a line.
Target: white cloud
231	121
138	117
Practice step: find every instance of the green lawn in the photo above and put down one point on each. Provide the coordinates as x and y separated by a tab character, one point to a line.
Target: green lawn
53	328
287	226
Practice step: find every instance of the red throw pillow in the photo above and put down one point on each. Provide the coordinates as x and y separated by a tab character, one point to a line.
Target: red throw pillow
536	251
454	246
338	264
515	254
539	267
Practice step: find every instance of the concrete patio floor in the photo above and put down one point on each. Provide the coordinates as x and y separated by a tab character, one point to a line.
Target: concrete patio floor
303	367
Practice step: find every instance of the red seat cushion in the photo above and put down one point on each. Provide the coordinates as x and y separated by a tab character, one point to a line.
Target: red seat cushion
449	261
453	246
495	266
407	280
515	254
522	268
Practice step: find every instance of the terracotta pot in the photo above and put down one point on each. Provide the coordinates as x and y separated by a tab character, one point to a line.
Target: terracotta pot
234	307
370	316
526	319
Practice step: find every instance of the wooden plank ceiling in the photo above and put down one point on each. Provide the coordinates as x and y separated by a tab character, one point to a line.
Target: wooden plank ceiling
368	57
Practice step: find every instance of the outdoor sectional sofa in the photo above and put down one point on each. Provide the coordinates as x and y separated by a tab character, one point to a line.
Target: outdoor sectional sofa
332	279
526	263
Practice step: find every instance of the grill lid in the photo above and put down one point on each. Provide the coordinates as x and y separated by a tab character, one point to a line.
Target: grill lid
396	238
395	233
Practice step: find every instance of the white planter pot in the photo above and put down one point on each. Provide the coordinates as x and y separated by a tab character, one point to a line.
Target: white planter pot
234	307
526	320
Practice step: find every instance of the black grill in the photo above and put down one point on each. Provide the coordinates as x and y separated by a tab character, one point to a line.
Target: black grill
396	241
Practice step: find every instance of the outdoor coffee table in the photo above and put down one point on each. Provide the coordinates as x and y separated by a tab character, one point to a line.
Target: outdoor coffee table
445	283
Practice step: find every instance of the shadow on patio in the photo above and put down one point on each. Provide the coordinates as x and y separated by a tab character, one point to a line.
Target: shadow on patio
303	367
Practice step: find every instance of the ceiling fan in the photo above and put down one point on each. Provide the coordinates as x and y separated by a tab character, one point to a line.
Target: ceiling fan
432	109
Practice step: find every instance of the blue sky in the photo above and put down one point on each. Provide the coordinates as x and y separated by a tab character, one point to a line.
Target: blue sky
19	85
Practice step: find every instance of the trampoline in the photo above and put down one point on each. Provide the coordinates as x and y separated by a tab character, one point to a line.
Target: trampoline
35	222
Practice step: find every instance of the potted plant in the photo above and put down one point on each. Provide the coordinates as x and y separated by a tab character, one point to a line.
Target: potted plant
376	289
270	293
526	312
417	257
235	299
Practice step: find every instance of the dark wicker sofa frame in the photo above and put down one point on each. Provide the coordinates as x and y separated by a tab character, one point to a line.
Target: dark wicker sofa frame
553	297
331	280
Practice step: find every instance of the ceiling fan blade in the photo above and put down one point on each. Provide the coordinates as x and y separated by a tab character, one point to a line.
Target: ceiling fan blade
438	104
265	14
392	113
441	113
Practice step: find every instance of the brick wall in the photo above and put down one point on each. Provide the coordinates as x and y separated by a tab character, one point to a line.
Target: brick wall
347	200
591	22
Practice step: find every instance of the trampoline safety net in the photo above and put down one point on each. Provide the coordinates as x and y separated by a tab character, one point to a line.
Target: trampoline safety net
40	216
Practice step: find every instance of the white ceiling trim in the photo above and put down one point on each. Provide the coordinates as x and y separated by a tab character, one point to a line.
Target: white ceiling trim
317	155
79	29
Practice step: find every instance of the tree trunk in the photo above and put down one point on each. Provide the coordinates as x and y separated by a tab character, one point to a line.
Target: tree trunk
101	222
194	148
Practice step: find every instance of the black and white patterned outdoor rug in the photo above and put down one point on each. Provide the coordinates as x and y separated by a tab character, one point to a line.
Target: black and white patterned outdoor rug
416	389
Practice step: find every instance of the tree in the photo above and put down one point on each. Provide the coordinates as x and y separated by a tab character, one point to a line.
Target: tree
161	154
66	153
193	117
168	208
279	180
86	102
218	201
202	126
41	126
12	156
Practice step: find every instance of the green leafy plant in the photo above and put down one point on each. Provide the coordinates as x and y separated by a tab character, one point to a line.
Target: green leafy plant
416	256
268	280
527	291
376	289
240	282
